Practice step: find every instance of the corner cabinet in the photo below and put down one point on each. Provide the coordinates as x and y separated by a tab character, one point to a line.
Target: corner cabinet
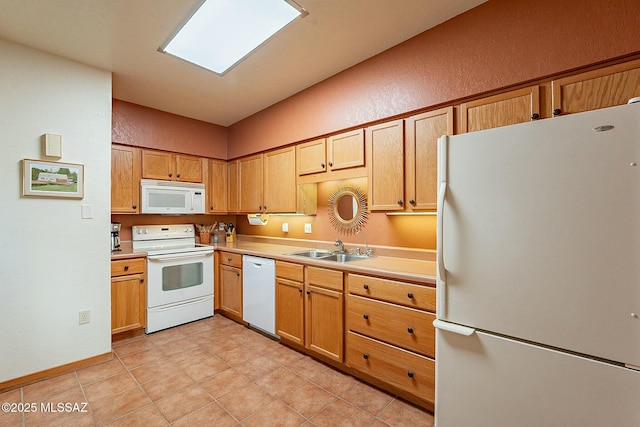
128	295
125	179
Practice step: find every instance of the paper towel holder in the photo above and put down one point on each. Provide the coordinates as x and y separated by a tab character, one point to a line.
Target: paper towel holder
258	219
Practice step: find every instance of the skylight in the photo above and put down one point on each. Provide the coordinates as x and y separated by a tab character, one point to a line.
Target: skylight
221	33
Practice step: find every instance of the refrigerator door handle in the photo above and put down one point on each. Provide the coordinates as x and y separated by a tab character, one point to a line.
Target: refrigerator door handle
452	327
441	272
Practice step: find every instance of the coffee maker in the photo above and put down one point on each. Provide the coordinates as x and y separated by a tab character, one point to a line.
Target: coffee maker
115	236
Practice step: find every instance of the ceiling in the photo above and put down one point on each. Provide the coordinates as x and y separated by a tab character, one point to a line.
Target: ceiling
123	36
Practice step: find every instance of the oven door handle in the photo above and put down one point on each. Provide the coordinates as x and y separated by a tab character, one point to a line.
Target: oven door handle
166	258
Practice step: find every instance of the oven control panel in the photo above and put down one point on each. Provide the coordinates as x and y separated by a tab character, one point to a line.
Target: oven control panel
162	232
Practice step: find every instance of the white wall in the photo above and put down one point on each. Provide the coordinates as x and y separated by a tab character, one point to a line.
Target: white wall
53	263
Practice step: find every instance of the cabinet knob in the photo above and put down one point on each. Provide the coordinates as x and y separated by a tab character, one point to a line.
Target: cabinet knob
322	165
228	259
308	292
141	280
300	290
410	329
412	202
365	286
178	176
366	316
170	175
210	208
135	206
365	356
557	112
126	268
264	207
410	295
238	274
535	116
330	163
400	202
410	374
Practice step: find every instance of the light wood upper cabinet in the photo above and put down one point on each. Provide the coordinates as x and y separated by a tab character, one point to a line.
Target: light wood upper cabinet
601	88
385	160
125	179
421	157
171	166
517	106
217	186
233	189
311	157
346	150
250	176
280	180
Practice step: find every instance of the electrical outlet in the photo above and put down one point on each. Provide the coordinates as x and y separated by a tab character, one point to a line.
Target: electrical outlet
307	228
285	227
84	317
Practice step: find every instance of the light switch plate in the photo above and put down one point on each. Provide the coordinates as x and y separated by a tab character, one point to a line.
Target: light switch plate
87	211
53	145
307	228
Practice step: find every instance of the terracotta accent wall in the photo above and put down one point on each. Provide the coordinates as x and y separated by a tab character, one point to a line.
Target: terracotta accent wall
418	232
495	45
145	127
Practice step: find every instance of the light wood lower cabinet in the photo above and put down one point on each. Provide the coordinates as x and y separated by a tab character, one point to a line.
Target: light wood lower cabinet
231	285
128	295
390	335
310	308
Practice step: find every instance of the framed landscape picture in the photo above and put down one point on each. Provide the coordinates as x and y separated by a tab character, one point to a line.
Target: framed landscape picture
52	179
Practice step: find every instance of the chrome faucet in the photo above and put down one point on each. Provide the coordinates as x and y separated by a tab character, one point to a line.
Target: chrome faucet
368	251
339	243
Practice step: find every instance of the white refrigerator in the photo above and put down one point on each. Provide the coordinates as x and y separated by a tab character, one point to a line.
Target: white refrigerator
539	274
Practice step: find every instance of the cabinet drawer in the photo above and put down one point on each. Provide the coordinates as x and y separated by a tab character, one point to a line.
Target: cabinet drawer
393	365
289	270
127	266
416	296
325	278
232	259
401	326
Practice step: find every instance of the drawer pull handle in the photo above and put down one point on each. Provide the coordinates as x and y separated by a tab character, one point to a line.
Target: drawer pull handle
366	286
410	329
228	259
410	374
366	316
365	356
126	268
410	295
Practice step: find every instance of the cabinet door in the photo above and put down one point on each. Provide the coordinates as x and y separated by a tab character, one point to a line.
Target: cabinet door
128	303
311	157
232	186
421	145
250	184
290	310
324	322
231	290
188	168
385	160
280	181
217	186
157	165
346	150
125	179
602	88
508	108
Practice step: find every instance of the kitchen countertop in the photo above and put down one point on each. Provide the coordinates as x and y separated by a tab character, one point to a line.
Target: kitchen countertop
418	271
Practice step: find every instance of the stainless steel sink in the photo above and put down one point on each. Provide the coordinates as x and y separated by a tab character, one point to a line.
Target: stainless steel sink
344	257
313	253
328	255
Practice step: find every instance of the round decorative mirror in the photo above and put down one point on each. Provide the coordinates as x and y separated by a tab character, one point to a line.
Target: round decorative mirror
348	209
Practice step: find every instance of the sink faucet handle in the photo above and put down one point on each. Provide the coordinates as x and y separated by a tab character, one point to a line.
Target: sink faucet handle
357	251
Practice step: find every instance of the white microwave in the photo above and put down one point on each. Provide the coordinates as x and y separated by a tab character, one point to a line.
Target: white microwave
170	197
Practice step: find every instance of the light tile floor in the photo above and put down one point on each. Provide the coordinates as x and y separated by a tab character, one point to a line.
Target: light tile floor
213	372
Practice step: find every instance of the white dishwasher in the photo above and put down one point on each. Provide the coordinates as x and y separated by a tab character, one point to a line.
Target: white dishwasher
259	293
